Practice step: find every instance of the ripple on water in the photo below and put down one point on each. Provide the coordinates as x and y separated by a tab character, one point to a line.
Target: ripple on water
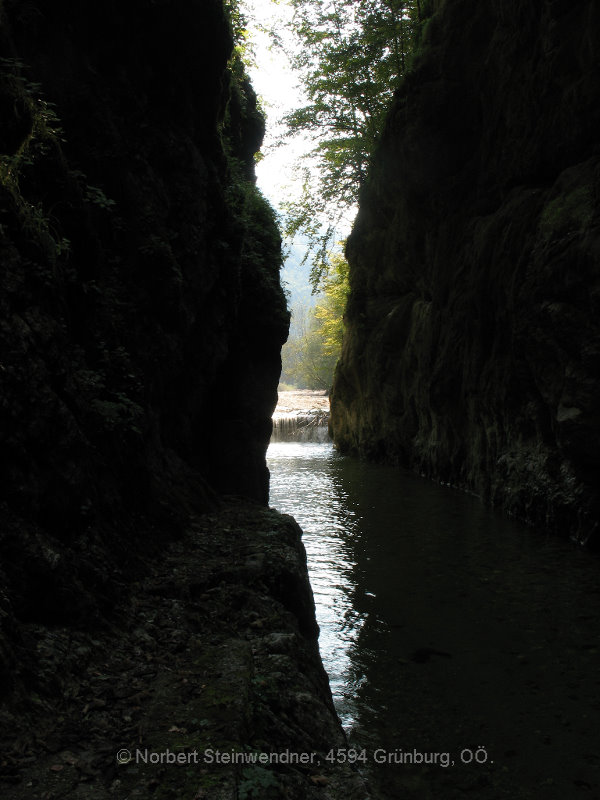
303	484
444	626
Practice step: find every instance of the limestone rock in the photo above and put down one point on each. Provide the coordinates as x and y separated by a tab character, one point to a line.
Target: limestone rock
472	350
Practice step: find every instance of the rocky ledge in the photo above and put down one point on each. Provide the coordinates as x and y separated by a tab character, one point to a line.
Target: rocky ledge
206	683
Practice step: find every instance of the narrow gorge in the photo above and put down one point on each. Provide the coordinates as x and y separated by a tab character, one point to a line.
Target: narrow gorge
141	611
158	635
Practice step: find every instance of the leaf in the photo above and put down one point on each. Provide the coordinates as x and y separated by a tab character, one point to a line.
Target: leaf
350	58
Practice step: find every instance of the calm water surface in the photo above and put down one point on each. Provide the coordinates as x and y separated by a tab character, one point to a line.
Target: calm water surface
450	634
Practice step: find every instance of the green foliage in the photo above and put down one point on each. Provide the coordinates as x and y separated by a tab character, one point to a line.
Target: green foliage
330	312
304	362
257	783
239	27
569	212
314	345
41	136
260	251
262	240
350	59
95	195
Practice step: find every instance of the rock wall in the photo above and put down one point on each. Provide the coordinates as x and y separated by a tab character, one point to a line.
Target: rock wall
141	315
472	349
141	324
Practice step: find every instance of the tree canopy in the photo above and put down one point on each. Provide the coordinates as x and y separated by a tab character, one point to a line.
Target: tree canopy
315	341
350	58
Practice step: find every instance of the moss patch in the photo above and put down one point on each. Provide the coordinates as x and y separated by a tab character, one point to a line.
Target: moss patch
570	212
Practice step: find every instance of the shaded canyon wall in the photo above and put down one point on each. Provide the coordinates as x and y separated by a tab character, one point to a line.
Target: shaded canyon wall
141	312
141	324
472	349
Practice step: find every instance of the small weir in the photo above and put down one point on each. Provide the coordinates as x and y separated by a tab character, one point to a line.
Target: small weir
301	427
301	416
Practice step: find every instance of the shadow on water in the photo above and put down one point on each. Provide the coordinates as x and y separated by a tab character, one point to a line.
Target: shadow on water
450	634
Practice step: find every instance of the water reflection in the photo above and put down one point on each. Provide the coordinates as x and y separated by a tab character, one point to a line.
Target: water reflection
445	627
305	483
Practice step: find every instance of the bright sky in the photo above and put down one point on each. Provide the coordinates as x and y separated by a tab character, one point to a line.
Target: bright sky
275	83
278	173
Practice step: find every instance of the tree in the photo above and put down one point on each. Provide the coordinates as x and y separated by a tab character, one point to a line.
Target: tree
313	348
304	363
350	59
330	312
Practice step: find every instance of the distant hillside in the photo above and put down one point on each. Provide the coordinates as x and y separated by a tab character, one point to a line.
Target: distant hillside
295	277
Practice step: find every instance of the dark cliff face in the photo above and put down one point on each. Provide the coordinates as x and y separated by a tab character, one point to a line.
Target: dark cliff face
141	313
472	351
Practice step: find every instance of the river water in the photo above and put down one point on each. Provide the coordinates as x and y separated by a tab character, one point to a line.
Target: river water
454	638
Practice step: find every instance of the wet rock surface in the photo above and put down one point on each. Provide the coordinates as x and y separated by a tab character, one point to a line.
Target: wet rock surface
472	341
213	652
